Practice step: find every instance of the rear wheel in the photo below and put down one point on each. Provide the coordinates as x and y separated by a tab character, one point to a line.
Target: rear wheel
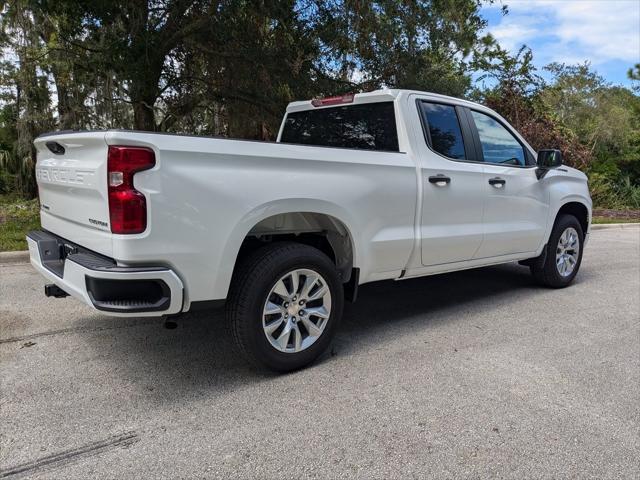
559	265
284	305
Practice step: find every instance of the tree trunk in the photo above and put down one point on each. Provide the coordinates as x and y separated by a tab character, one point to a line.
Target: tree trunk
144	93
60	69
66	115
144	117
145	90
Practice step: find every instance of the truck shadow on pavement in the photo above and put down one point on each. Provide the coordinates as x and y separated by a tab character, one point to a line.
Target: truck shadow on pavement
198	357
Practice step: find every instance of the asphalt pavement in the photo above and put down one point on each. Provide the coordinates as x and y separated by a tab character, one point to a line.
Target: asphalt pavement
476	374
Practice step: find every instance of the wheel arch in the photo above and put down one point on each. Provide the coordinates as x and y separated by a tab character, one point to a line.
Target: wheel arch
286	219
579	210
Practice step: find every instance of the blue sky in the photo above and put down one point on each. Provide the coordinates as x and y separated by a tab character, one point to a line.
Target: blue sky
604	32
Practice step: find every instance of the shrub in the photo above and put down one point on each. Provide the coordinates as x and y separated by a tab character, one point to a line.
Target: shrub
620	193
17	217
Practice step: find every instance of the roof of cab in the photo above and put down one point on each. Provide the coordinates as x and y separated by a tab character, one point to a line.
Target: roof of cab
386	94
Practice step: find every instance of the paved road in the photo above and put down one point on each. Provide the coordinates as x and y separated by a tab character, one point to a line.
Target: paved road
476	374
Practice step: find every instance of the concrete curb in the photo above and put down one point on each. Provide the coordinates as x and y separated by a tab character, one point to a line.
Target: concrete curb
14	257
605	226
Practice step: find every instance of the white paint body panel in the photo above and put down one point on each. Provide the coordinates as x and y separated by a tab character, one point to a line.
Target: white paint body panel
205	194
450	227
73	189
515	215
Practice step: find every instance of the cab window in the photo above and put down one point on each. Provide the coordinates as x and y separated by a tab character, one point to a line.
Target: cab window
367	126
499	146
443	129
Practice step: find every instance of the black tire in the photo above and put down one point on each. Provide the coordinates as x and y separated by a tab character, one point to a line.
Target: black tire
544	268
251	284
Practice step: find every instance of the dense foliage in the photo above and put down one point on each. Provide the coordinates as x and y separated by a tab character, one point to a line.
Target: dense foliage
595	124
229	67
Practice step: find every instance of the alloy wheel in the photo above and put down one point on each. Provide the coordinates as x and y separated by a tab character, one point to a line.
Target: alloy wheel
296	311
567	252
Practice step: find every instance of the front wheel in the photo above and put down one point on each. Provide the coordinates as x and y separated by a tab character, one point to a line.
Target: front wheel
284	306
560	264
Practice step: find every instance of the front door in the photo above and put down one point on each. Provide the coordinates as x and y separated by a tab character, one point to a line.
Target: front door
516	204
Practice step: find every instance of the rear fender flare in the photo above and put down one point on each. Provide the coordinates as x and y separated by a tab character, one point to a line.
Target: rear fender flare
277	207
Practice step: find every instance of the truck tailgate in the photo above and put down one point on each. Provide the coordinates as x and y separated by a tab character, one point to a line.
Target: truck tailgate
71	172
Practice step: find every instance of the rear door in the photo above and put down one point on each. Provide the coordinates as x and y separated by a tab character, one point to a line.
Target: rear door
516	204
453	193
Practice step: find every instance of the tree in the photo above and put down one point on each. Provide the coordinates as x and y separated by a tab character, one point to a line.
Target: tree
28	93
603	116
428	45
254	59
229	67
634	75
516	84
134	41
516	95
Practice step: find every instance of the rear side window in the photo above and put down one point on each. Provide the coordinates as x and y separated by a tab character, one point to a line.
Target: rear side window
444	130
498	144
369	126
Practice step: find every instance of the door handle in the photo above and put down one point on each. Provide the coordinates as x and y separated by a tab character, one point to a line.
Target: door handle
497	182
439	180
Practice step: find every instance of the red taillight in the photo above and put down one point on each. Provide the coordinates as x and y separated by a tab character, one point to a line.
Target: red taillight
323	102
127	206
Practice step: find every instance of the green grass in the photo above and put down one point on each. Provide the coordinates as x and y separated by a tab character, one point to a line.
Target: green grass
17	217
614	220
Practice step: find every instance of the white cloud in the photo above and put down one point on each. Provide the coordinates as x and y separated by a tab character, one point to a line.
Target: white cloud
512	34
573	30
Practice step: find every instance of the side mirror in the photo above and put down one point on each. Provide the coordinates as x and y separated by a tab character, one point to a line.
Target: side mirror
547	159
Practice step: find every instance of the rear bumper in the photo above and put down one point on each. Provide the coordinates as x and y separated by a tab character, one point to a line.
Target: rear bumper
100	283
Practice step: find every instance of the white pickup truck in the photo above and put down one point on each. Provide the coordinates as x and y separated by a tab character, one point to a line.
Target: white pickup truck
390	184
